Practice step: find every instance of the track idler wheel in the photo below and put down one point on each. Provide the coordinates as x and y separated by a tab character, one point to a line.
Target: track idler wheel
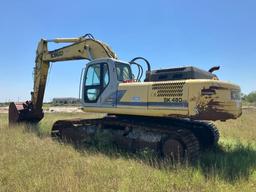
181	145
207	134
23	112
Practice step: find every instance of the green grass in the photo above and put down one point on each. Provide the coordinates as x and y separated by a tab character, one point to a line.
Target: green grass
31	161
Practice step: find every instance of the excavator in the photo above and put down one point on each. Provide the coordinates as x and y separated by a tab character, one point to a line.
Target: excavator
170	111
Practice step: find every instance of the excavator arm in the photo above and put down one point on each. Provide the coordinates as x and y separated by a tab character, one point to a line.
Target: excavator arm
85	47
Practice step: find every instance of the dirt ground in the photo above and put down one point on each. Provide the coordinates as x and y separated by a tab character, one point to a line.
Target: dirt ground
3	109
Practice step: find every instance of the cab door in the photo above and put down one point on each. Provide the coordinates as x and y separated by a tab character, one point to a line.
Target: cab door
96	80
100	84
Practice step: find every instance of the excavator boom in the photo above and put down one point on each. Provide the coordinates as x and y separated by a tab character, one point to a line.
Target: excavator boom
85	47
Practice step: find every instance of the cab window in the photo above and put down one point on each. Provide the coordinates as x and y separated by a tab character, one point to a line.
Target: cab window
93	75
123	72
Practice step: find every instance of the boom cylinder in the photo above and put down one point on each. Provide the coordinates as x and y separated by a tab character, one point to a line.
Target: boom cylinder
64	40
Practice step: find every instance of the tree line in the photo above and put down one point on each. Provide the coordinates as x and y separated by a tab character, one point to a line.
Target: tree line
251	97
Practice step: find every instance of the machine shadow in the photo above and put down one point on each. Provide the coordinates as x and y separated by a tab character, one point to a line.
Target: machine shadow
227	163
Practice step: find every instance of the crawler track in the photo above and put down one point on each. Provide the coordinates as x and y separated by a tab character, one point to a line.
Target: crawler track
207	133
178	139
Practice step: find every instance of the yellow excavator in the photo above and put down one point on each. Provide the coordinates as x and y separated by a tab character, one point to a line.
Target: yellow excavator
169	111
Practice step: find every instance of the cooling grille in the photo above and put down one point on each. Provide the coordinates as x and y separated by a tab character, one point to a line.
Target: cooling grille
168	89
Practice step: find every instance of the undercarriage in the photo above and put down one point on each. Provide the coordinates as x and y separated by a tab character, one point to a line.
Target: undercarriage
178	139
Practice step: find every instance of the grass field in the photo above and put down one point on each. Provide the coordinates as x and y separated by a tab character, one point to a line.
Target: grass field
31	161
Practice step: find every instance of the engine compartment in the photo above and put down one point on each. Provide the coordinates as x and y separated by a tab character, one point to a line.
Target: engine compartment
180	73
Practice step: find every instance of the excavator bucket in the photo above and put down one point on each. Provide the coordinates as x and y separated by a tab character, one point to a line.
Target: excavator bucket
23	112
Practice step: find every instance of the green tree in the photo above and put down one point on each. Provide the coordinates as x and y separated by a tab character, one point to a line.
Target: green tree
251	97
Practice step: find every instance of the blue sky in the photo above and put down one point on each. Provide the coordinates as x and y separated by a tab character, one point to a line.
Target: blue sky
169	33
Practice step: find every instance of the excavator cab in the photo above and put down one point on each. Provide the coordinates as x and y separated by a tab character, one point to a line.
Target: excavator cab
101	79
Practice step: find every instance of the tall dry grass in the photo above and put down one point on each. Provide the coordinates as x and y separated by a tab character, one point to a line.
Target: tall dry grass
31	161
